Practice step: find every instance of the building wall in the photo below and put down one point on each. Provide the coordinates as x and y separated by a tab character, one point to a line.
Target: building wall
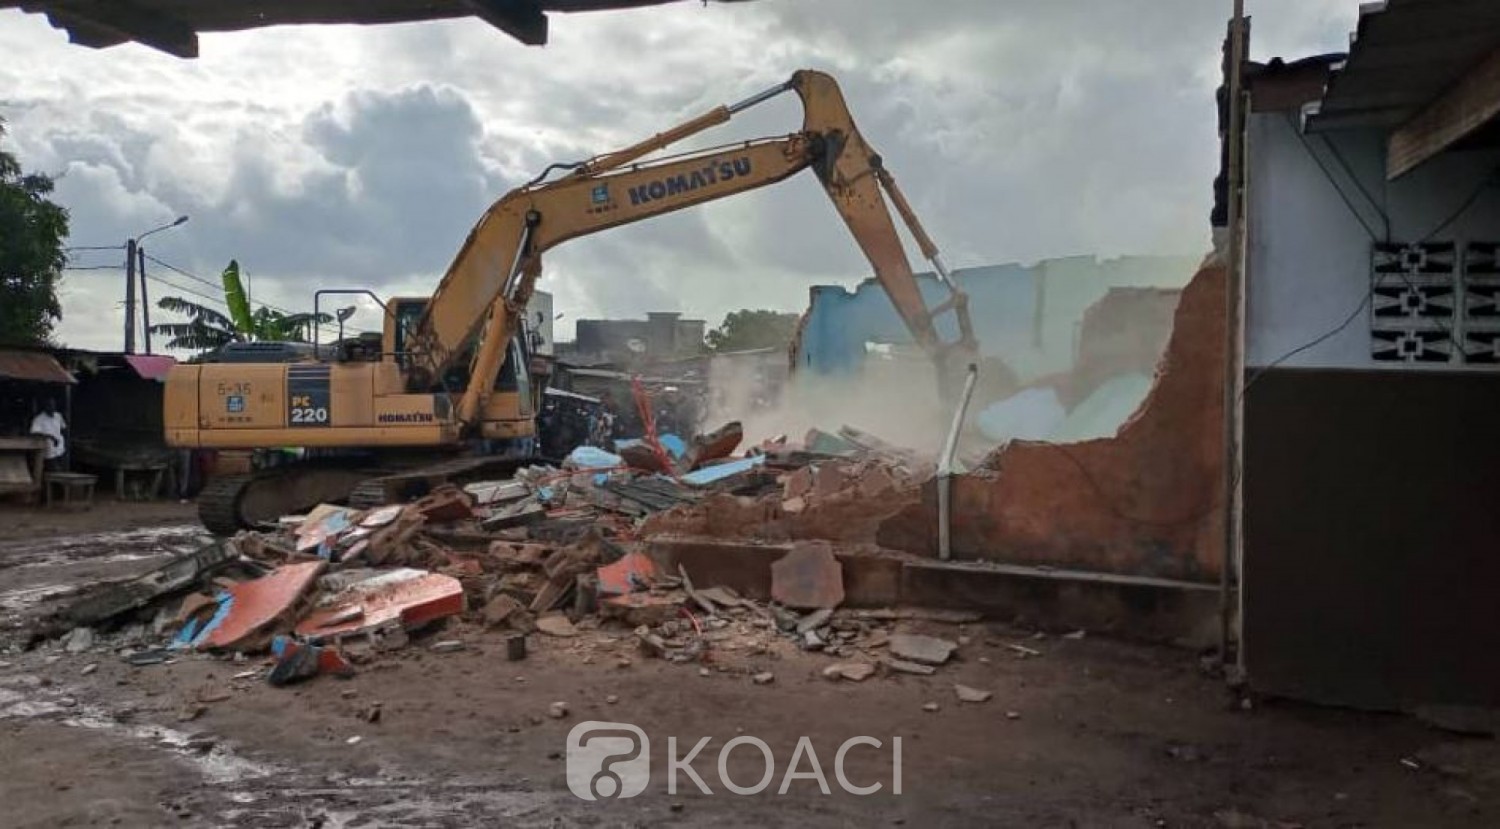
1027	316
661	335
1367	567
1309	256
1146	502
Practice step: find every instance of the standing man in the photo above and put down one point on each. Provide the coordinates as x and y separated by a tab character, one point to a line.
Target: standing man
50	425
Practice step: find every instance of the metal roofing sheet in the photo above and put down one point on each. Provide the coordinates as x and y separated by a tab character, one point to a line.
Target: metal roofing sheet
32	365
1403	54
151	366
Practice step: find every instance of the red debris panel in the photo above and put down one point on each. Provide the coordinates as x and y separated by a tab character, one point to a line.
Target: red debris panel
258	604
635	571
408	598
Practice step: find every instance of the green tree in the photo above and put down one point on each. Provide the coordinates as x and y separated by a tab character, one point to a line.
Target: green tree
745	330
208	329
32	230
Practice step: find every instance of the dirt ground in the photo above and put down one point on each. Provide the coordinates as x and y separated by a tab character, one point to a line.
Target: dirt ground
1092	732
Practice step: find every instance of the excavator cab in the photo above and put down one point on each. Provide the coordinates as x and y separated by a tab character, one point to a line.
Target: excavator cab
508	413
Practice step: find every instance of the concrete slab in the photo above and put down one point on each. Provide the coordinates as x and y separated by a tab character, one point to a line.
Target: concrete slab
808	577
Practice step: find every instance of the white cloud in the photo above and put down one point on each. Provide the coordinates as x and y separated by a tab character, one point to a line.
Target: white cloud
342	156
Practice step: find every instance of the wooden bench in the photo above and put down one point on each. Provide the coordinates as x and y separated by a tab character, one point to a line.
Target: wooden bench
71	484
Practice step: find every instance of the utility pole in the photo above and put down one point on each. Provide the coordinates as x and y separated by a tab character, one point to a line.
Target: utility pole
1231	584
145	300
130	296
136	255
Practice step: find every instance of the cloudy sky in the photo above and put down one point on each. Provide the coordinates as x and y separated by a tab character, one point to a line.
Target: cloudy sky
361	156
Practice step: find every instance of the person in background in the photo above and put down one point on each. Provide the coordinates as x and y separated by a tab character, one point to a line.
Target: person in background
50	425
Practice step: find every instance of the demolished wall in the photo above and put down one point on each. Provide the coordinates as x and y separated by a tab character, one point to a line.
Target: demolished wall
1146	502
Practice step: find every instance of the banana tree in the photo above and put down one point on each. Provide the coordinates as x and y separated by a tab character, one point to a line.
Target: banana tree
208	329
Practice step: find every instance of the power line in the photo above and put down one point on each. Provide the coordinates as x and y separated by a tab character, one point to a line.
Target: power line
94	268
187	290
94	247
169	266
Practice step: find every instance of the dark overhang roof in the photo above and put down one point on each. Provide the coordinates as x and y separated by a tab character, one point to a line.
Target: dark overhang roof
1404	54
173	25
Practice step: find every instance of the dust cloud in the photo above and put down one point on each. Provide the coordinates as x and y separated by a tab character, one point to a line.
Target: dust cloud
895	399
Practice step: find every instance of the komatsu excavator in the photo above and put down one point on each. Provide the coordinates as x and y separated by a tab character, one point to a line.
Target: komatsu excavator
447	380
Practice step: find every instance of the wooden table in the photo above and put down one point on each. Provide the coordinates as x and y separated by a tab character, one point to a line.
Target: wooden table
21	463
69	483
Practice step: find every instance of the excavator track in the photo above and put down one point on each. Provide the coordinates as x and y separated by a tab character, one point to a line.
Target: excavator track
238	502
218	503
412	483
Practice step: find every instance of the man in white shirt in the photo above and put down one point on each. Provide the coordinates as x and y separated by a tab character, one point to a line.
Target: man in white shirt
50	425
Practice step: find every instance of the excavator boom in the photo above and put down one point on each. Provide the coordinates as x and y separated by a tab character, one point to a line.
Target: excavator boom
493	274
406	413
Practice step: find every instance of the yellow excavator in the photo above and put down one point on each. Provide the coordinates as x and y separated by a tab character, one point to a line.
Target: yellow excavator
445	390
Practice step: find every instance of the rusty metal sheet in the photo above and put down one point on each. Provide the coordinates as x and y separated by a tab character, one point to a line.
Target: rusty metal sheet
33	366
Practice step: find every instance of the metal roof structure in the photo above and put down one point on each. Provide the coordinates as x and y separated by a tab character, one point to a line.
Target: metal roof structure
1404	54
173	25
32	366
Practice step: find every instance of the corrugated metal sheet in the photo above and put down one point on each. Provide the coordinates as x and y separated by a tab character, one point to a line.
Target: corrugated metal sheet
1403	54
151	366
32	365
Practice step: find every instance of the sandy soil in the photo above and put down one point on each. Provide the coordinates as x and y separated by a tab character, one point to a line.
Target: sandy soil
1104	733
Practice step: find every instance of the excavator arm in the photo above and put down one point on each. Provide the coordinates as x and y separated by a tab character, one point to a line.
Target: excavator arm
490	280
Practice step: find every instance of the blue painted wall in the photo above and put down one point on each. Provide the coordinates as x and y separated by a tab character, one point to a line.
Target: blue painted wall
1026	315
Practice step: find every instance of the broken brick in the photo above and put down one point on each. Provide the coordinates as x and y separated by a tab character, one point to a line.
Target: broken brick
504	610
808	577
446	503
798	483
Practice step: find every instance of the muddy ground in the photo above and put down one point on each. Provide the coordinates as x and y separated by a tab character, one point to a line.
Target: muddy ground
1093	732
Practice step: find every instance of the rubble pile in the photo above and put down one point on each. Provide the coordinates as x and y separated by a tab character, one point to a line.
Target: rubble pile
555	552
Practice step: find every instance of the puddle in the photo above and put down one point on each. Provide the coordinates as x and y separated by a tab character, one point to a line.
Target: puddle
219	765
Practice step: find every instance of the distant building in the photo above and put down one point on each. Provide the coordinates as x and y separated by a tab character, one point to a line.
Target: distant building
662	335
539	317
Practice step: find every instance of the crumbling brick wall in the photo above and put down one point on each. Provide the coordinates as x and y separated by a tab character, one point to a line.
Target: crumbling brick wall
1146	502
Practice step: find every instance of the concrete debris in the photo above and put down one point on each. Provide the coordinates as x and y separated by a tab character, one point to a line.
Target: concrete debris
556	624
89	668
504	611
564	552
966	693
808	577
931	707
1013	715
557	710
814	620
80	640
905	667
852	671
926	650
